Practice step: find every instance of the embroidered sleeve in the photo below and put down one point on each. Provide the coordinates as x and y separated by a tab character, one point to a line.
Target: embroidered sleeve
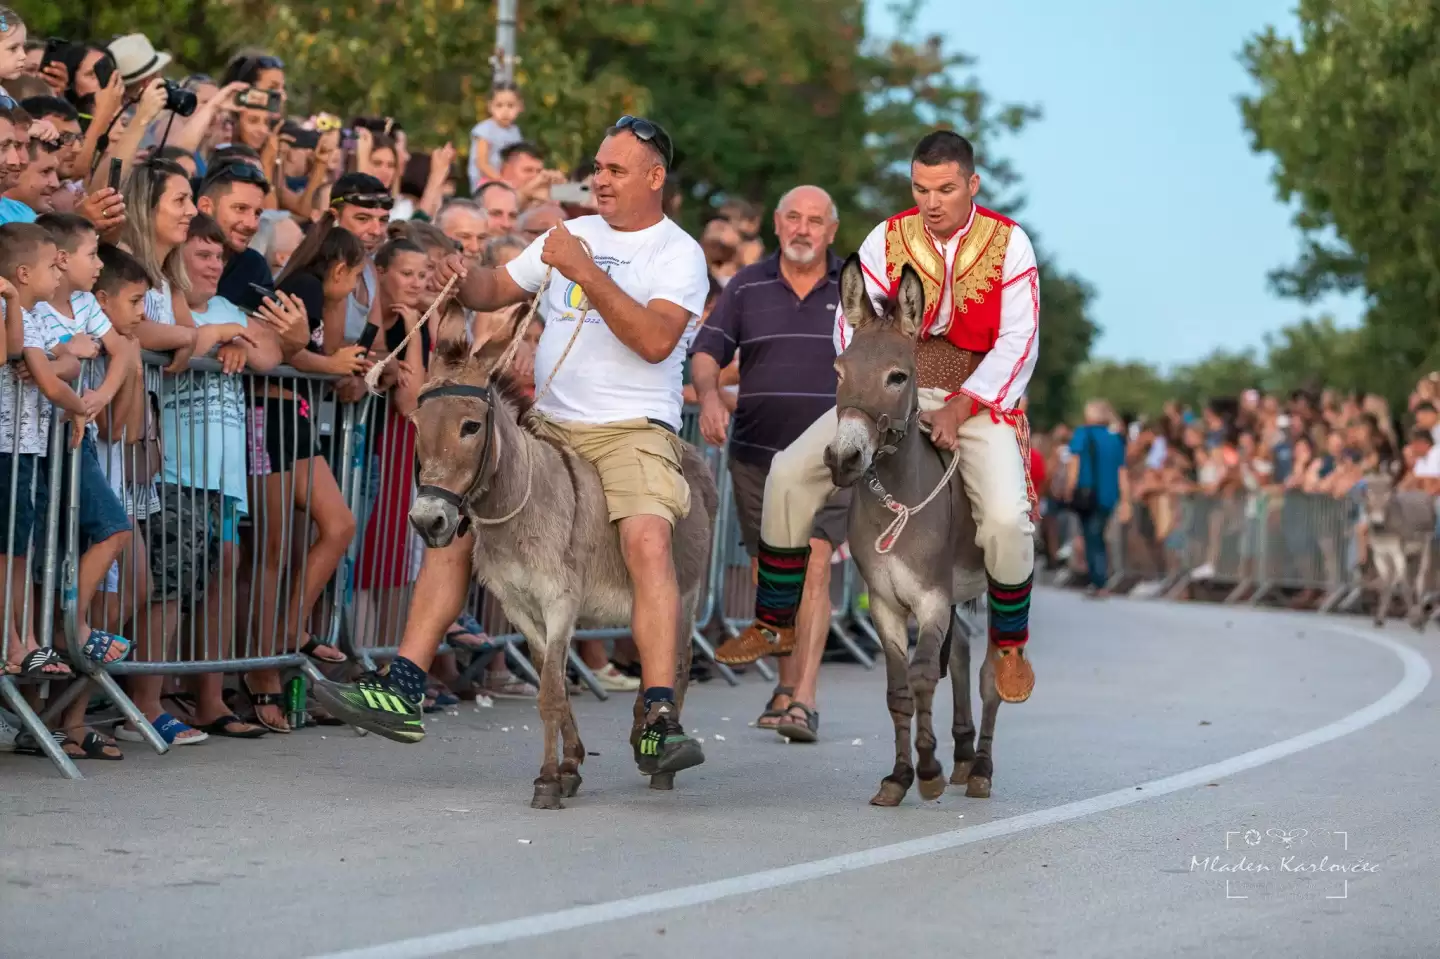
872	262
1003	376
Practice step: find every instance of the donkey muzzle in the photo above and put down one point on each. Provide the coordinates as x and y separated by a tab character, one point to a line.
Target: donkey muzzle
852	450
436	520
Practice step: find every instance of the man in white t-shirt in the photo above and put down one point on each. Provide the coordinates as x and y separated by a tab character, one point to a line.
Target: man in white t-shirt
638	292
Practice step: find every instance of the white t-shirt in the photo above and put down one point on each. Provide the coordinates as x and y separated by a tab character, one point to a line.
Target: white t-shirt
1429	466
497	138
59	328
603	380
34	411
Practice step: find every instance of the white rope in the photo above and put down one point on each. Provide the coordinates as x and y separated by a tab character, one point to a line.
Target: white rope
886	540
372	378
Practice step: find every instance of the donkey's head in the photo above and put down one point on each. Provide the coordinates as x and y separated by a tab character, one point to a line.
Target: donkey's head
457	437
1378	493
876	398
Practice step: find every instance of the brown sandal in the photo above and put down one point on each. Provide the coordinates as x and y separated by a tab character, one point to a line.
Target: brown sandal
773	712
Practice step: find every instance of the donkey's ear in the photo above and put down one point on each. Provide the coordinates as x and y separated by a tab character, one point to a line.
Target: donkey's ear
910	302
452	344
493	332
854	298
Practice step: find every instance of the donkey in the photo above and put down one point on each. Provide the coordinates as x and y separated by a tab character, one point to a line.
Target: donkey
545	548
935	564
1401	524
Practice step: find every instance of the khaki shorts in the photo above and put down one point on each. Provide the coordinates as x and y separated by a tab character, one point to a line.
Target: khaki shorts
638	462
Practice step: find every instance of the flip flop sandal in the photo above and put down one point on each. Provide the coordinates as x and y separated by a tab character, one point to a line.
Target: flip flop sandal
795	730
25	744
169	728
313	644
97	647
32	666
773	712
221	727
266	699
93	746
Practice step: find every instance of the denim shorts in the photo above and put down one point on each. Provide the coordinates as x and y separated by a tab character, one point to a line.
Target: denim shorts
102	515
20	489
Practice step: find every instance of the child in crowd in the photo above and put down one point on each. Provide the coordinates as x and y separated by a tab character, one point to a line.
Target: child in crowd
75	326
25	279
12	47
494	134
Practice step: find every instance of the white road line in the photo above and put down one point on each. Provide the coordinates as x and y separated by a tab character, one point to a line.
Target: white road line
1416	677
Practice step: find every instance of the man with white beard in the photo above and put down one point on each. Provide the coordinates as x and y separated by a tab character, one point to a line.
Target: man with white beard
779	314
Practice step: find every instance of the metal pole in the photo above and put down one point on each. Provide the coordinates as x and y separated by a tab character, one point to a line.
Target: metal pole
504	59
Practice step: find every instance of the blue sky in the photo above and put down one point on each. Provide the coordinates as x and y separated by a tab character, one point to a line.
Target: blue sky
1139	176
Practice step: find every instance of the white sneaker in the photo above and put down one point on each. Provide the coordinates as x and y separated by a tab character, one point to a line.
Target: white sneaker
1146	590
615	681
1203	572
7	736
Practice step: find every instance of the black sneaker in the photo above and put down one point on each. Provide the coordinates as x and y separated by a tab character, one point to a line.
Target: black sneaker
374	703
663	746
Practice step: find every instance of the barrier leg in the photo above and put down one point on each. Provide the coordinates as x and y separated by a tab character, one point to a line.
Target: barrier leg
517	661
11	693
853	648
587	675
708	652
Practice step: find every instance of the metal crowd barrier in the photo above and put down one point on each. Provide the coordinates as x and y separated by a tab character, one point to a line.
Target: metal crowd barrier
1253	546
263	512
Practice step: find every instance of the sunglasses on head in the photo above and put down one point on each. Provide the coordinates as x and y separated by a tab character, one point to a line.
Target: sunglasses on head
648	132
236	170
382	201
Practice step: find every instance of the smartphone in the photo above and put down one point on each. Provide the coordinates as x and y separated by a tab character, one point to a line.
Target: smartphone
116	165
253	99
55	49
577	193
367	337
264	291
303	139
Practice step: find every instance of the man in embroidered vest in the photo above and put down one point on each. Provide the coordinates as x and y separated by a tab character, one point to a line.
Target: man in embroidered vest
973	363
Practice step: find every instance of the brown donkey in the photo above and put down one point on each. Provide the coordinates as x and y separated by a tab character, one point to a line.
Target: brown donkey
934	565
544	545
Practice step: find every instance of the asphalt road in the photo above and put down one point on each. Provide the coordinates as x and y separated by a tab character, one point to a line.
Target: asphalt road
1157	735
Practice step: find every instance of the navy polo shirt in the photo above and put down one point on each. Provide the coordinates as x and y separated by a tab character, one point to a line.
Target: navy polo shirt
787	356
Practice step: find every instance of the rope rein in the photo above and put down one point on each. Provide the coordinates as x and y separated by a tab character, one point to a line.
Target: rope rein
372	377
886	540
504	361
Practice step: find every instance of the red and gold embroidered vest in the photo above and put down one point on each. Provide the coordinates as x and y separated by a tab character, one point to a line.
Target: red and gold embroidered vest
976	284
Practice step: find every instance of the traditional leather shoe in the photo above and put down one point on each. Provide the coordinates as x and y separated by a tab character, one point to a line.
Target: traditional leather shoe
1014	678
757	641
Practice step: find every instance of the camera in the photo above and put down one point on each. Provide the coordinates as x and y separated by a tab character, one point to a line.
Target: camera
179	100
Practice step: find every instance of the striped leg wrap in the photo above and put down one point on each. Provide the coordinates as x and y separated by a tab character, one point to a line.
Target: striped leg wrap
781	580
1010	613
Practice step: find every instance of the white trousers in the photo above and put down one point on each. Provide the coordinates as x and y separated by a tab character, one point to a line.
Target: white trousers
990	466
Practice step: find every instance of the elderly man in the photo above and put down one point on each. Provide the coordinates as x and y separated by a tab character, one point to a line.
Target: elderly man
619	409
973	360
501	205
778	313
464	221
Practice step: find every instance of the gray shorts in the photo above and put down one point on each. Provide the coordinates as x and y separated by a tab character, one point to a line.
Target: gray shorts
831	523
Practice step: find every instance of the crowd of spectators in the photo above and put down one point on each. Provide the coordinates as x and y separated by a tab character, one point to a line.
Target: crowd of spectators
1178	483
202	218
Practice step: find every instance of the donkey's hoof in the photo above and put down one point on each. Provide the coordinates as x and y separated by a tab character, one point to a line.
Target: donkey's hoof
932	788
978	787
547	796
569	785
663	781
890	794
961	775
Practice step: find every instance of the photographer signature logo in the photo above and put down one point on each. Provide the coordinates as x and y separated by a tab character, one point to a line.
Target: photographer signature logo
1251	857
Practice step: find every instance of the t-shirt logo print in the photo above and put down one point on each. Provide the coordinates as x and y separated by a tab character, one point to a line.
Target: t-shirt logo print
574	296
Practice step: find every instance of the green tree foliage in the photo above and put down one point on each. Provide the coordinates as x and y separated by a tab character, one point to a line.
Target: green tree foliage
760	95
1311	355
1347	108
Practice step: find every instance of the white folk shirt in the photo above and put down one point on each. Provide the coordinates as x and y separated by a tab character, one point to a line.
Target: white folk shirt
603	380
1001	378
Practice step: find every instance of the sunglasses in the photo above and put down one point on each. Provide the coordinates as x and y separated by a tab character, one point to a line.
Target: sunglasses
648	132
383	201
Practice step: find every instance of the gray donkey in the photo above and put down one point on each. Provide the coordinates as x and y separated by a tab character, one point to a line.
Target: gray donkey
1401	524
554	562
935	563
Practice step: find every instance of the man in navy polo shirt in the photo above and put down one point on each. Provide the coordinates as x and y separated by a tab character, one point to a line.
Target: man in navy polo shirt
779	313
